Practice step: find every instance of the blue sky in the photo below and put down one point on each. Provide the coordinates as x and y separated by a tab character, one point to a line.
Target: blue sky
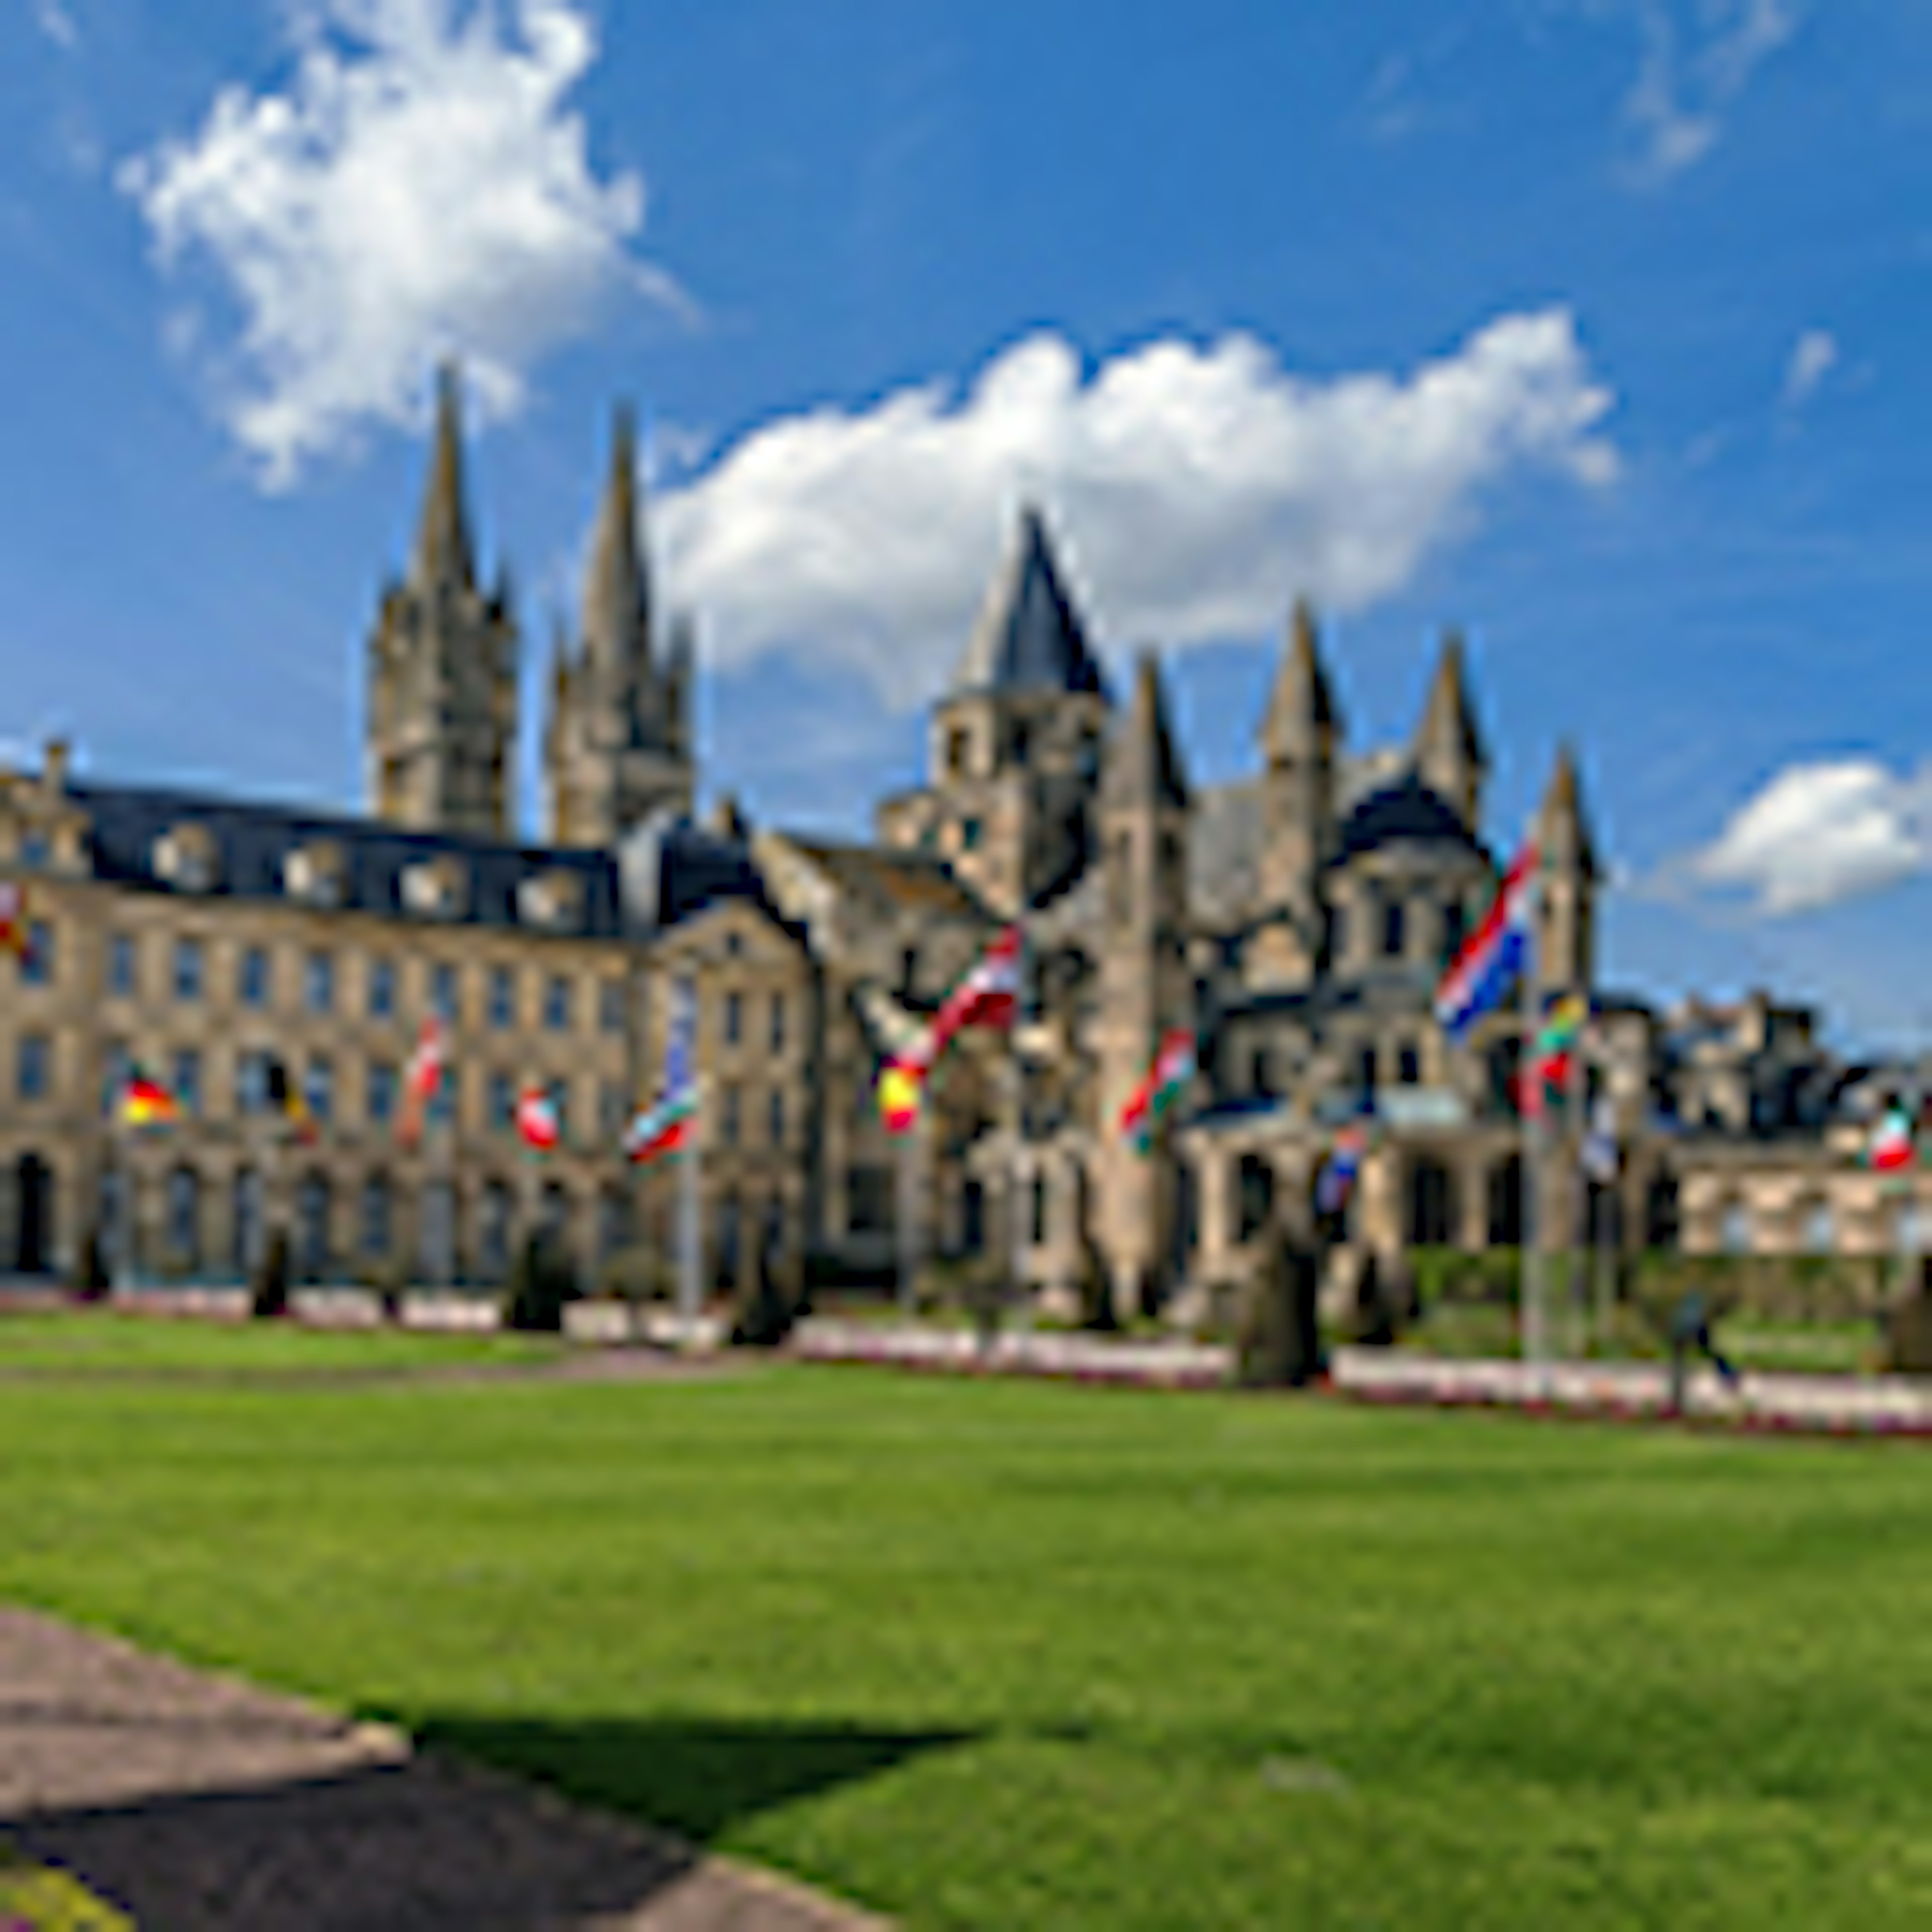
1593	327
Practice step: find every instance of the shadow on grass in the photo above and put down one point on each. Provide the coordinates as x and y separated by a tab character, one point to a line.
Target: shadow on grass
695	1777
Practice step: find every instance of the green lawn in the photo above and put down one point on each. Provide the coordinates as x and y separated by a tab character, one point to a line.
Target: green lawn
1007	1655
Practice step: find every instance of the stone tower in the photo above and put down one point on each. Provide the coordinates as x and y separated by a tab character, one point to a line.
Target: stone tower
1567	930
1449	755
616	747
1016	742
1145	987
1300	734
443	668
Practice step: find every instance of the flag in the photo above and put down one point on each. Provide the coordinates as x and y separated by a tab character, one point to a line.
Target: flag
16	934
1173	1067
902	1091
1480	974
422	1077
1890	1147
536	1119
1551	1059
664	1126
988	996
286	1096
146	1102
1600	1155
1339	1169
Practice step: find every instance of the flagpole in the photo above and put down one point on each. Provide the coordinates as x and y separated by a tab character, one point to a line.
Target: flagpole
907	1180
689	1233
1535	1340
1578	1261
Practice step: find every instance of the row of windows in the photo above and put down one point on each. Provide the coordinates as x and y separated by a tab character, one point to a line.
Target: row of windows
1389	929
321	983
733	1021
731	1117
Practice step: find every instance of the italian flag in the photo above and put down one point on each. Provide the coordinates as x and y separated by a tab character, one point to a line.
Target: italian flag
536	1119
663	1129
146	1102
1173	1067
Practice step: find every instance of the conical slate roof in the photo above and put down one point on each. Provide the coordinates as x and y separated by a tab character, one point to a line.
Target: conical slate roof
1566	826
1029	637
443	552
1301	707
1142	764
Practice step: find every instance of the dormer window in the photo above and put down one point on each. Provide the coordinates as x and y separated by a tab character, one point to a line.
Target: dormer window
434	888
184	858
315	874
553	900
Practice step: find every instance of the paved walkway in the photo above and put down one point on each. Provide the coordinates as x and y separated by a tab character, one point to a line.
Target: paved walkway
196	1804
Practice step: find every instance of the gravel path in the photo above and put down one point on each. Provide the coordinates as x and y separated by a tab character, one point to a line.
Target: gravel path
194	1803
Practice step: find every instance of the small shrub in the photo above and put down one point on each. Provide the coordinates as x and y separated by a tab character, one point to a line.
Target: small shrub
270	1284
541	1284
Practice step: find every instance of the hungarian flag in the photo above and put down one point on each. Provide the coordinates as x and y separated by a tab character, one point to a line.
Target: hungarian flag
665	1126
988	996
16	935
422	1077
1890	1147
1552	1059
536	1119
146	1102
1173	1067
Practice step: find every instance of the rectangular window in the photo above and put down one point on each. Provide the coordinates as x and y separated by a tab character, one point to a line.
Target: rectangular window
319	986
442	993
251	1081
610	1006
376	1217
501	1103
31	1079
187	969
1394	930
37	963
1038	1210
381	1093
731	1122
442	1106
381	988
734	1015
778	1022
1452	930
33	849
1367	1064
253	987
319	1087
113	1078
777	1121
556	1003
502	998
969	834
559	1100
611	1108
187	1080
868	1201
121	966
1409	1067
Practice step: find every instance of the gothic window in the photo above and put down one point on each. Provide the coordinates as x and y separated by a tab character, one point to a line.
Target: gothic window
1338	932
908	973
1019	744
1255	1190
613	1222
492	1249
973	1218
1394	929
501	1106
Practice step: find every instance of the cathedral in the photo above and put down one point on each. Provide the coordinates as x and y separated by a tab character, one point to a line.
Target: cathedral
1294	923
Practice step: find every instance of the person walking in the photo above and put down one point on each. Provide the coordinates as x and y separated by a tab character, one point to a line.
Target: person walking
1690	1329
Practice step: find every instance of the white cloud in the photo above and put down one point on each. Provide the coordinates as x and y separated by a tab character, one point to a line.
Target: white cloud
56	21
1687	83
418	188
1822	831
1195	489
1813	357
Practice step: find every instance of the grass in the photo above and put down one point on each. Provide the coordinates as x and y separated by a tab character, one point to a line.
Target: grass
1009	1654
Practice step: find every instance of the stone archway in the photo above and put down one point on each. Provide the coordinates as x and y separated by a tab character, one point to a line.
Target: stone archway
33	1215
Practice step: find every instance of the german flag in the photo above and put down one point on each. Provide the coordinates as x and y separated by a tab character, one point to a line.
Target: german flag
146	1102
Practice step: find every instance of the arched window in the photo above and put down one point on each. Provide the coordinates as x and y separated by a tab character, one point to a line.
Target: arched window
245	1249
492	1246
184	1217
1430	1204
312	1226
1256	1192
435	1248
377	1216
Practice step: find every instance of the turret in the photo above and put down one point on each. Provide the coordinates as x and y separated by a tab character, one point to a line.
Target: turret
1569	874
1450	757
1300	735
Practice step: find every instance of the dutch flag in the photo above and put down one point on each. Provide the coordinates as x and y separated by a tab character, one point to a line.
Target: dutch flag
1493	954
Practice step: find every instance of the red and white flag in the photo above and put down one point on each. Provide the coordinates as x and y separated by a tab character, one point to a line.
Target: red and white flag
422	1076
1891	1150
536	1119
988	996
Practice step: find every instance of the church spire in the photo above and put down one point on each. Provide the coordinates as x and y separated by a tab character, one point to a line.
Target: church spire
1144	768
616	591
1565	826
443	553
1449	758
1301	707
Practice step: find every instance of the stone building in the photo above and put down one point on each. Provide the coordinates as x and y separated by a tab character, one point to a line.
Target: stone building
1296	922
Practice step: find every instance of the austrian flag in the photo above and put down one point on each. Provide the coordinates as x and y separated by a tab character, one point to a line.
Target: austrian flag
988	996
536	1119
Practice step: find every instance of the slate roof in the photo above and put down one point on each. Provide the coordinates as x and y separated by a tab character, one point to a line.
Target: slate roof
1029	637
897	881
252	842
1406	811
